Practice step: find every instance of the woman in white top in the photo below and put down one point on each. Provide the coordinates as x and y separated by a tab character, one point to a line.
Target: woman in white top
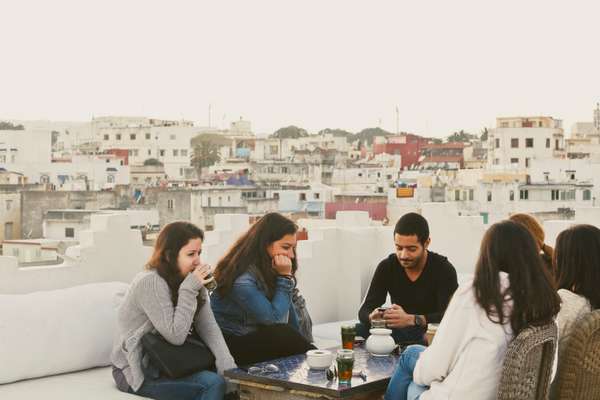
577	261
511	290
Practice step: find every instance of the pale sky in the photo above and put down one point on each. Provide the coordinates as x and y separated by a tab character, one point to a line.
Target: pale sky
447	65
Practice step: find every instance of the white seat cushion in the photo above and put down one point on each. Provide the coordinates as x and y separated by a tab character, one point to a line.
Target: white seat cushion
91	384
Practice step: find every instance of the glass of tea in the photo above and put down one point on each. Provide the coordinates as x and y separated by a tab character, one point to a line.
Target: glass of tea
348	333
345	363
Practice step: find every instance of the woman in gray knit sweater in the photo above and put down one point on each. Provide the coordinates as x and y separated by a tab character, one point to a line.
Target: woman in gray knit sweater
169	297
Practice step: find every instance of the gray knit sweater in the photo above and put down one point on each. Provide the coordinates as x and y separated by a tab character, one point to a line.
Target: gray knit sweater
148	306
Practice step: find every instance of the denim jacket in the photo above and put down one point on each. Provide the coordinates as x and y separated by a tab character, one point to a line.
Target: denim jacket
246	306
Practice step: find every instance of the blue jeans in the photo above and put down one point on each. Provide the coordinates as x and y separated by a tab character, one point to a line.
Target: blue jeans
410	334
203	385
401	386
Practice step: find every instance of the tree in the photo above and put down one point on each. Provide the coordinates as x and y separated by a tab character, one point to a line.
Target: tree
153	162
461	136
9	126
206	151
335	132
368	135
484	134
289	132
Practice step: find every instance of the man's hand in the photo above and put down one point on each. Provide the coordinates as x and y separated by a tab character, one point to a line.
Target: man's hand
396	317
375	314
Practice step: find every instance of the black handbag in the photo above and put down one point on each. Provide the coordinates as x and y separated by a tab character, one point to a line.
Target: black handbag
178	361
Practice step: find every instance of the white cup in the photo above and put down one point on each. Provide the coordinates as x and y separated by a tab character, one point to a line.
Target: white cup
319	359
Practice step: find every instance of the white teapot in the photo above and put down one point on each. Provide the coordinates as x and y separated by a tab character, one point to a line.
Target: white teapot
380	343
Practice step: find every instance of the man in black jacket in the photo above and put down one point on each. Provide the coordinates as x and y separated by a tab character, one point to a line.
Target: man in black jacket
420	284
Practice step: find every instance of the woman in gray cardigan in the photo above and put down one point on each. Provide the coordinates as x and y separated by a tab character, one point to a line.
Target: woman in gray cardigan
169	297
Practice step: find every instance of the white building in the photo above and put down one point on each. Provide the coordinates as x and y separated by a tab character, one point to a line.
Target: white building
146	138
585	138
33	147
10	215
68	224
365	179
520	140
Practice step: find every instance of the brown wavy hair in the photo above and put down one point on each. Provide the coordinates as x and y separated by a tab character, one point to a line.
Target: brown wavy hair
509	247
536	230
251	249
577	262
166	250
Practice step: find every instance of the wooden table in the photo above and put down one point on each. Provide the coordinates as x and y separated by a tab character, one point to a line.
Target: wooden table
295	380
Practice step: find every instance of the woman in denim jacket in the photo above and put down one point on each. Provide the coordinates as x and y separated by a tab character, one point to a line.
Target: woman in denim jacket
256	284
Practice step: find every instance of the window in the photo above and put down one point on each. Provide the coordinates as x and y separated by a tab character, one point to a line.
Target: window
15	252
276	196
511	195
489	196
161	152
270	170
554	194
317	196
118	136
171	203
132	136
529	142
497	143
184	153
8	205
514	143
471	194
456	195
514	160
148	136
547	143
106	137
389	176
527	162
379	174
524	194
587	195
70	232
130	152
556	144
175	153
360	174
2	159
110	179
136	152
38	253
496	161
149	152
302	196
284	170
540	124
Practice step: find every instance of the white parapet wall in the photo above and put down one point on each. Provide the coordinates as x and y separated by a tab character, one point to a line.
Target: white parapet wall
456	237
108	251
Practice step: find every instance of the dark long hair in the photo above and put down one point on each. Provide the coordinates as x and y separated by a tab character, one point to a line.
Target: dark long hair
251	249
577	262
166	250
509	247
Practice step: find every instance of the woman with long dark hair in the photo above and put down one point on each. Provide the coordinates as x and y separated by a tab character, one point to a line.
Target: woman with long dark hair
577	270
253	302
510	291
169	297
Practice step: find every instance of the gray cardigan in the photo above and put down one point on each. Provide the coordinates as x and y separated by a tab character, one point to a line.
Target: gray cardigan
148	306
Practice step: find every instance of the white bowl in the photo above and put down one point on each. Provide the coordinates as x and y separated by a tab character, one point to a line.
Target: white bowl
319	359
